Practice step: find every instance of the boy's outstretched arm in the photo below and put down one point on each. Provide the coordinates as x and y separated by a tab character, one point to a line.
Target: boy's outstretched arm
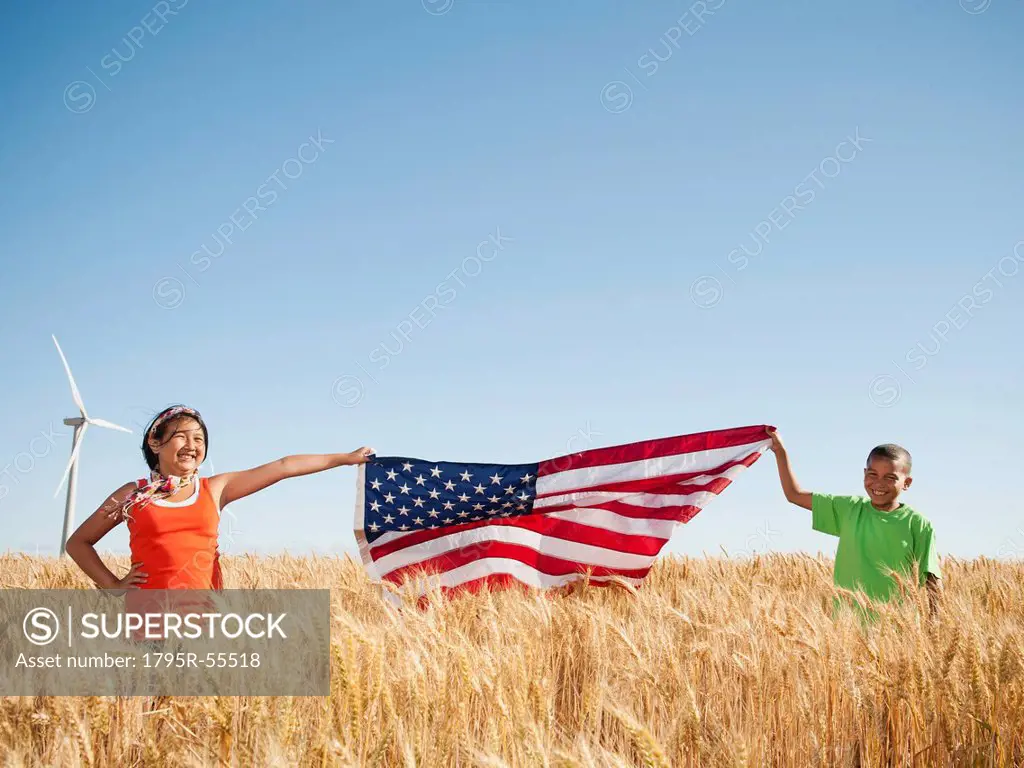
794	493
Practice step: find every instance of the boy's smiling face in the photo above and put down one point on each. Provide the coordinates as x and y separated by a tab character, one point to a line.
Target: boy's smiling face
884	481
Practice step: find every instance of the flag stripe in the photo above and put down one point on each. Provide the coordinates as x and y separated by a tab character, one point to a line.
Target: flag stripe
680	514
700	443
539	531
669	495
655	483
609	520
544	562
591	477
520	571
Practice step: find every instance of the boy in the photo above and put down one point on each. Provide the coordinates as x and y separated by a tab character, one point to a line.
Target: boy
876	534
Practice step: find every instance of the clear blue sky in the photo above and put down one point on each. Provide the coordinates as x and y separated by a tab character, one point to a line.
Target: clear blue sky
621	302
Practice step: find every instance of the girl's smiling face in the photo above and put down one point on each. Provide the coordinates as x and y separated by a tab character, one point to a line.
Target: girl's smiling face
180	446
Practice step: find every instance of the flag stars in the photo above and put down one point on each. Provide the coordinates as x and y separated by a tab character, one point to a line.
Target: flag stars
427	499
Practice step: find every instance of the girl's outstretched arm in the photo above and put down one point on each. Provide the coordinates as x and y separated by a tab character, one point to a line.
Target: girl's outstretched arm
232	486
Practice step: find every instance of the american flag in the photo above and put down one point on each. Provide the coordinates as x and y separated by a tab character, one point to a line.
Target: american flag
605	512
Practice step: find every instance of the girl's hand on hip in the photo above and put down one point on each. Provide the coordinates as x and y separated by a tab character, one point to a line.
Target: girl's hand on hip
130	580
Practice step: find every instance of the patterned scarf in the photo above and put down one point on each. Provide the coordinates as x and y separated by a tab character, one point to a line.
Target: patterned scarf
159	486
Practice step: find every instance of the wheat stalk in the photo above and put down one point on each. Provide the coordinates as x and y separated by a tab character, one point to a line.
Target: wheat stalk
709	662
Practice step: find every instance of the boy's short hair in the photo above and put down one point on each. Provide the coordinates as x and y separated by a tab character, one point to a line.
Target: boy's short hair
892	452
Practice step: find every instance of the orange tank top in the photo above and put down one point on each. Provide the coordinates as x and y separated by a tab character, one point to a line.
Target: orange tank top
176	542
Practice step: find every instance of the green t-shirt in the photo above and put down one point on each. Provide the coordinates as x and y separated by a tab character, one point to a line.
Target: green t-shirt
872	541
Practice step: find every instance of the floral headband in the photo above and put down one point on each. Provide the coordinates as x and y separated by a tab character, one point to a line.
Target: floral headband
171	413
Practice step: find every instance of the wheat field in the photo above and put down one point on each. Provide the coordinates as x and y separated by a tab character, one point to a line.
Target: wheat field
712	662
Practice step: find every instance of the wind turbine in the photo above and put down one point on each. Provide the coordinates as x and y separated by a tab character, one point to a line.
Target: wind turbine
80	423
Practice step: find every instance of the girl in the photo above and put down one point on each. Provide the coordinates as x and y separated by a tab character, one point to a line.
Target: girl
173	517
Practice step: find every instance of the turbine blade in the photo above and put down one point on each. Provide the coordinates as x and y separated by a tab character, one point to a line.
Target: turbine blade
109	425
75	395
74	457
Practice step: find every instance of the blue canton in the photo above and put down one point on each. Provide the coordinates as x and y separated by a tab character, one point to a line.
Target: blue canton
403	494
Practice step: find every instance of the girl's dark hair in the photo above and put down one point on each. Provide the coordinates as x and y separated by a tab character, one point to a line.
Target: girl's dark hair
152	460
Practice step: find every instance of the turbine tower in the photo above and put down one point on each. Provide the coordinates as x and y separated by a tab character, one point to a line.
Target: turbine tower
80	423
